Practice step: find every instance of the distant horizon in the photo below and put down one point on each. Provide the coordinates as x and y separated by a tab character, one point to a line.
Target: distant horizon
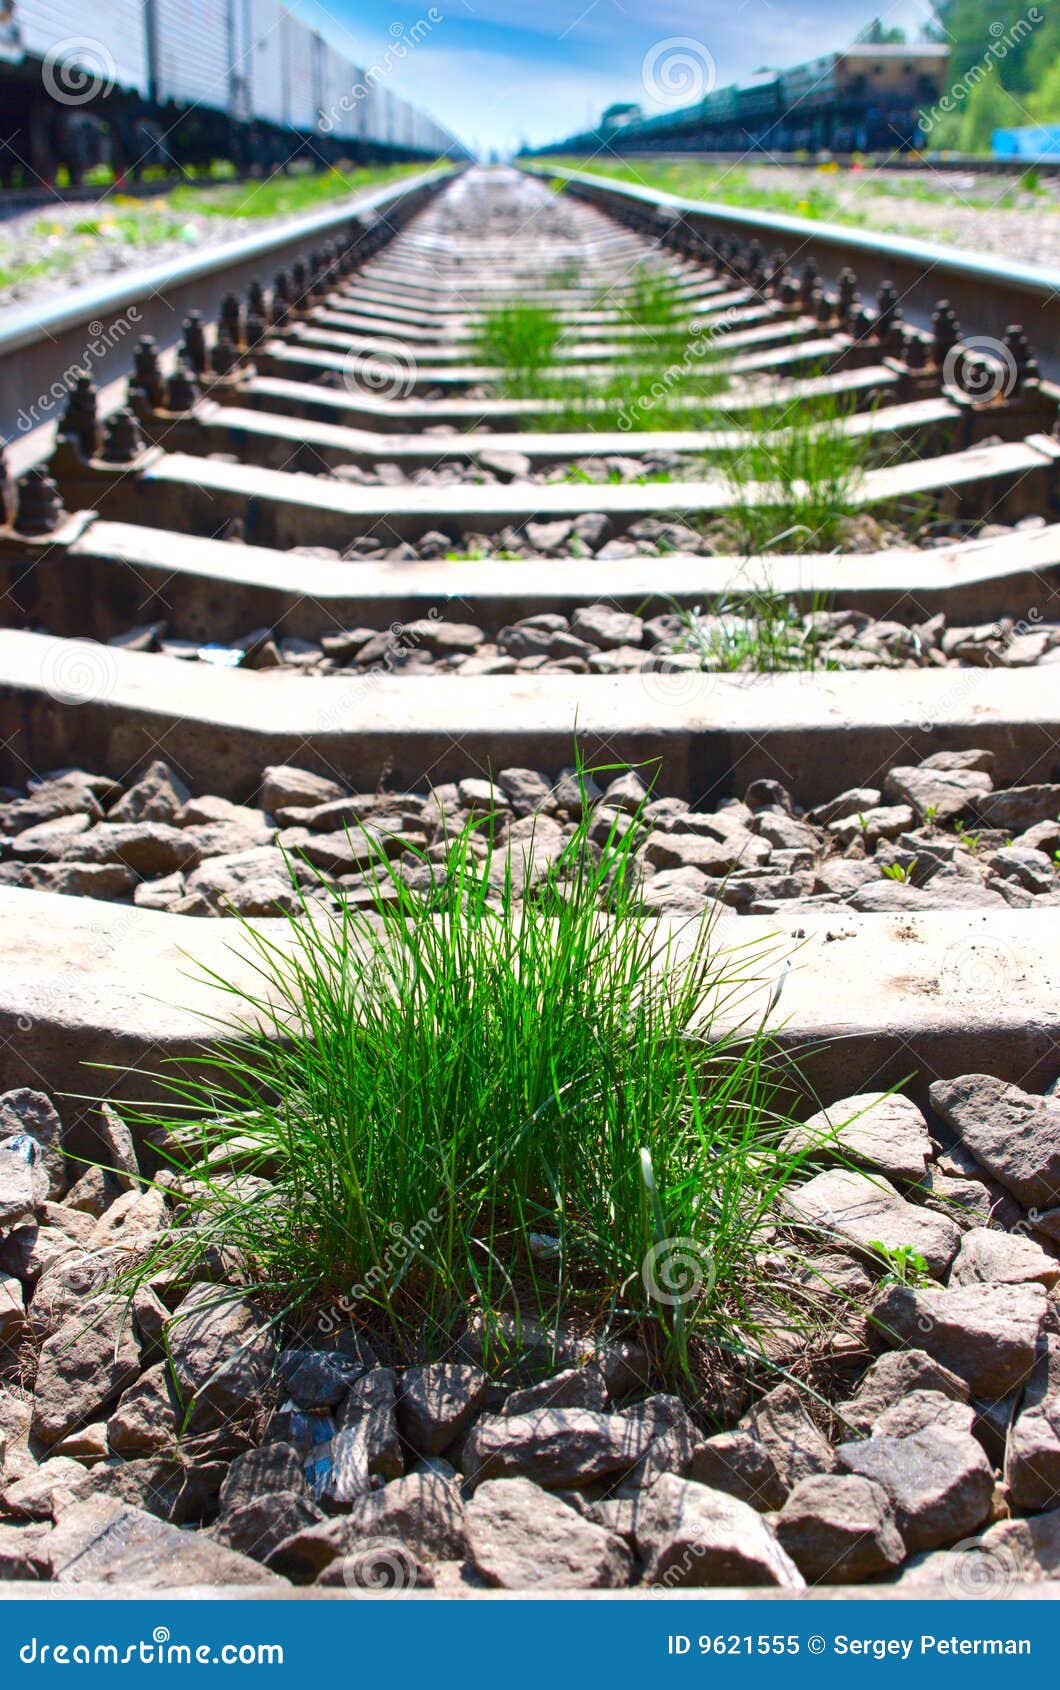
496	82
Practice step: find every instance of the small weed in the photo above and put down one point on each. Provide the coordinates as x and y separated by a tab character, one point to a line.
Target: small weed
795	486
905	1266
901	872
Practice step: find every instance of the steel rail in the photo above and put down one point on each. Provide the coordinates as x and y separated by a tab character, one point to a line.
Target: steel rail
987	293
40	344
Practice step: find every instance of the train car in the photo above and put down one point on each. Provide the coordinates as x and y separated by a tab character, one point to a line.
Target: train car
182	83
300	106
868	98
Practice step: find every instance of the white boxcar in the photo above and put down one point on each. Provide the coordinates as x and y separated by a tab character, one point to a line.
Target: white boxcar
334	83
298	65
193	52
373	111
267	81
107	40
242	61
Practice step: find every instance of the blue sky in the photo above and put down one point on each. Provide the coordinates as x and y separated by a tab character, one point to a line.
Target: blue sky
500	71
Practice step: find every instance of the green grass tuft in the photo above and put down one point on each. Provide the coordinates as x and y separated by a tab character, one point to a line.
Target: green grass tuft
455	1101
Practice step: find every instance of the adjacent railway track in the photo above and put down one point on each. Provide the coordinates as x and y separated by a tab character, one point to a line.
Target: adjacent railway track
986	291
336	566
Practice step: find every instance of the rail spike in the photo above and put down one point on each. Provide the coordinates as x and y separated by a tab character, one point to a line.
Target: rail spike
80	421
225	356
230	319
1024	363
945	329
39	508
193	350
182	390
147	372
123	441
257	304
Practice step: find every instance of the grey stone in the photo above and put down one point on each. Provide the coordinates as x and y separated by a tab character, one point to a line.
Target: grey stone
737	1463
283	787
435	1404
605	627
83	1369
520	1538
575	1387
1032	1454
50	1488
922	1409
272	1467
103	1541
798	1447
145	1421
939	1481
317	1380
422	1510
1025	1549
148	848
1015	1135
990	1257
561	1446
1017	808
948	792
890	1380
877	1130
839	1529
24	1553
178	1491
369	1412
259	1525
868	1211
222	1353
155	797
988	1334
691	1536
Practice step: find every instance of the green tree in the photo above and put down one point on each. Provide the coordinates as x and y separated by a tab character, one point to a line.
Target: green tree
1044	102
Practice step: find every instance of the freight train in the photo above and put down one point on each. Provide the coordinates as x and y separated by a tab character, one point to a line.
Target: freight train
182	83
866	99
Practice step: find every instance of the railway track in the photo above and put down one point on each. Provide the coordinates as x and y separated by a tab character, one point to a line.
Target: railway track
336	566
